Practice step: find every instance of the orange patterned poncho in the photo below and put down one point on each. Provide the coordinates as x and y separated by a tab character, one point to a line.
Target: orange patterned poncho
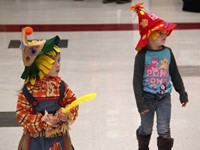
47	88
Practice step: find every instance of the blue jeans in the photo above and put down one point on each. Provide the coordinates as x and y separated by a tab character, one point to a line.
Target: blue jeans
161	105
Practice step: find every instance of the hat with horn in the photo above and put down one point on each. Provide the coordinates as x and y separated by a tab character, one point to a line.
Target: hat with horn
32	50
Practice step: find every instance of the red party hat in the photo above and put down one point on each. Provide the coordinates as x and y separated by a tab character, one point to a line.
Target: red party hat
149	23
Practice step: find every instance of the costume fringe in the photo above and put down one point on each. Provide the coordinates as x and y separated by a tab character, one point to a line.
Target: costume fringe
50	132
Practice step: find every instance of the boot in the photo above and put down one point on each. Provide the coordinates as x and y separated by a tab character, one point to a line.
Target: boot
123	1
165	143
143	141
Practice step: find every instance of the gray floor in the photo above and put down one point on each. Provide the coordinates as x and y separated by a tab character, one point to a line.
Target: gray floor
101	62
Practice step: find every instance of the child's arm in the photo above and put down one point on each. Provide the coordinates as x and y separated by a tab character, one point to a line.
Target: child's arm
33	122
69	97
25	115
177	81
137	82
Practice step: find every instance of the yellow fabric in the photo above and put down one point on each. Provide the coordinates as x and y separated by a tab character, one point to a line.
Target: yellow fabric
45	58
32	42
51	53
154	35
31	80
43	68
44	62
41	75
57	49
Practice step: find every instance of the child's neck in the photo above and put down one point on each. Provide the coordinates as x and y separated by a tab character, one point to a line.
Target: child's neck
155	47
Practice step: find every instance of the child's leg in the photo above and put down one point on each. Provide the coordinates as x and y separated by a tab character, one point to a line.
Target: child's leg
163	111
144	131
146	126
147	119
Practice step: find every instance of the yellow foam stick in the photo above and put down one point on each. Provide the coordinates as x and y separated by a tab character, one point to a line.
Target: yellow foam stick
82	99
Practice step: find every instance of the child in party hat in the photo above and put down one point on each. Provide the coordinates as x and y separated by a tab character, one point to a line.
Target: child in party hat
40	102
154	70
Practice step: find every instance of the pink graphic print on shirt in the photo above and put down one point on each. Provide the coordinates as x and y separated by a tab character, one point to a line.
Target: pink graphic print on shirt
157	74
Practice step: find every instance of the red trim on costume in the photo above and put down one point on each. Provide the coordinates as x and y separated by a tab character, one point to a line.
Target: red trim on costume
46	98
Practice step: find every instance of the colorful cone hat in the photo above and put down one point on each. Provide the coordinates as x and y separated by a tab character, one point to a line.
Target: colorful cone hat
149	23
31	51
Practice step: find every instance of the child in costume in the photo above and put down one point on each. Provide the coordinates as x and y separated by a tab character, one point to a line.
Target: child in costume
44	94
154	70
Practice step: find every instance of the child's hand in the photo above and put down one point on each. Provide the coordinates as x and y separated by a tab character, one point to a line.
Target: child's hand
54	120
50	119
64	116
144	112
184	104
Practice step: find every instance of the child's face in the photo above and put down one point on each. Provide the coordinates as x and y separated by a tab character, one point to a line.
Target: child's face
53	72
157	39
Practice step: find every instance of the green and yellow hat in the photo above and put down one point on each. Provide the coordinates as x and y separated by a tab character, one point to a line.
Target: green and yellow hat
37	55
